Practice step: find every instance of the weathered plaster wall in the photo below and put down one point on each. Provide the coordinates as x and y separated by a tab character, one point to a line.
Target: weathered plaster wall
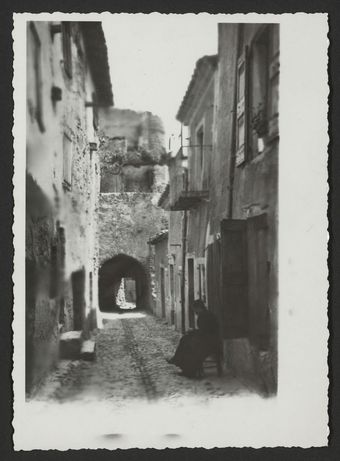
225	87
254	190
72	208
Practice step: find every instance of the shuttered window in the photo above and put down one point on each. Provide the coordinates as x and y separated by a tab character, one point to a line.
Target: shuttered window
274	70
234	278
214	282
263	88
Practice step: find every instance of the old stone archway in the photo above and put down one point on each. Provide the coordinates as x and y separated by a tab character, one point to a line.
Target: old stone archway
110	275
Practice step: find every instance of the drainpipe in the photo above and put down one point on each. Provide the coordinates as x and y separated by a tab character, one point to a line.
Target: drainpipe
184	245
184	241
232	161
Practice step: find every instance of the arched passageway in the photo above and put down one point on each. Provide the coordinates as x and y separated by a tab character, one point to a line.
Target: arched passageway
111	274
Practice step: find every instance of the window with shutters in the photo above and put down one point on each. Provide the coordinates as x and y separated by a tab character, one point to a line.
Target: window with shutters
257	88
67	48
274	70
241	128
263	88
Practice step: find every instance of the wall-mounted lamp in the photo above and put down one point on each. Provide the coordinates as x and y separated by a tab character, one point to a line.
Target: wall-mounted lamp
218	236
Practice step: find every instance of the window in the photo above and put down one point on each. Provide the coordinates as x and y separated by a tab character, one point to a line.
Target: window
274	69
259	70
257	93
67	161
34	76
67	48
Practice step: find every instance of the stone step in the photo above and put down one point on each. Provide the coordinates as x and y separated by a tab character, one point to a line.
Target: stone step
88	350
70	345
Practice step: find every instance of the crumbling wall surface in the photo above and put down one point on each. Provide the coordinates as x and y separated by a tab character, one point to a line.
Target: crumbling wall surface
42	307
225	84
129	170
71	204
126	222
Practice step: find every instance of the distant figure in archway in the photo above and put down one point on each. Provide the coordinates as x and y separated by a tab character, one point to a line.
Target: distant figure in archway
196	345
111	274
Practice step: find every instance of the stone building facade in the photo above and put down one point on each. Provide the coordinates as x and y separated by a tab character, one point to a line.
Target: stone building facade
67	79
133	176
224	197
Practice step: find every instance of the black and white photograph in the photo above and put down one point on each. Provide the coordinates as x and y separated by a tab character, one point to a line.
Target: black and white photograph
161	216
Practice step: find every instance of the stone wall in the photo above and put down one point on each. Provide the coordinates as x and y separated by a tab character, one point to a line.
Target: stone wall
133	177
63	172
126	223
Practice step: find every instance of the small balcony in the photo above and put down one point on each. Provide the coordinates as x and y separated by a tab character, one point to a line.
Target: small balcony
183	196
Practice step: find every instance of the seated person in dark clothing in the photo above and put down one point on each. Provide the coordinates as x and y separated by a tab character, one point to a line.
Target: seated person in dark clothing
196	345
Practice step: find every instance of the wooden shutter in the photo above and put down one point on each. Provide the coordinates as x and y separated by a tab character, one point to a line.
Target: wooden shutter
274	70
234	278
259	328
241	108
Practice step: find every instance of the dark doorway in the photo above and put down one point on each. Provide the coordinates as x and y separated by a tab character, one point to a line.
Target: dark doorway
111	274
130	290
163	291
78	291
191	292
258	274
173	294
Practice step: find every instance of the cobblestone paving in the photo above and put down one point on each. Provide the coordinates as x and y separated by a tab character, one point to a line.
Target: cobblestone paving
131	352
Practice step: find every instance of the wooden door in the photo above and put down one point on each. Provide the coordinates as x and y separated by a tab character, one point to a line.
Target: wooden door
259	329
162	275
234	278
172	293
78	290
191	292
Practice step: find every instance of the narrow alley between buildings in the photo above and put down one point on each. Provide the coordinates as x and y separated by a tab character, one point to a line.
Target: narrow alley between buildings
117	214
131	363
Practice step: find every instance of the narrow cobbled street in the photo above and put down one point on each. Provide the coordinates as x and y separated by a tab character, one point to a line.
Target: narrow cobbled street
131	352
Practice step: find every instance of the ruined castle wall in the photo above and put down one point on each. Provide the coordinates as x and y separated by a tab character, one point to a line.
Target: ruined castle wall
133	177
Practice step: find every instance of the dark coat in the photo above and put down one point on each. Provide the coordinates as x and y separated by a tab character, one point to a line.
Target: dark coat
196	345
